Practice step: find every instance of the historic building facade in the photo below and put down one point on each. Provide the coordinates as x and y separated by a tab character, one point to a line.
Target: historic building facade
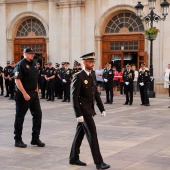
63	30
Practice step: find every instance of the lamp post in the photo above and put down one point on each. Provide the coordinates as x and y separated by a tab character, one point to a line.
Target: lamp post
150	18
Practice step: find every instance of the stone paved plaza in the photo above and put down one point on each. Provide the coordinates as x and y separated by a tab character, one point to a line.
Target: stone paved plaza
130	137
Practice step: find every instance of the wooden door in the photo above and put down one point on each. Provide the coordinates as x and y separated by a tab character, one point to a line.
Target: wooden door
38	45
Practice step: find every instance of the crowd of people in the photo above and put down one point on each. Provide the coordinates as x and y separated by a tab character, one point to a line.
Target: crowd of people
55	82
128	80
52	81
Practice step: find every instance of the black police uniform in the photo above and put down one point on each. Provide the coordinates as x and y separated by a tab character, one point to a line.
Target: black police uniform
67	75
144	77
39	78
1	81
128	76
7	70
11	83
84	93
50	83
60	83
28	74
109	75
57	83
44	92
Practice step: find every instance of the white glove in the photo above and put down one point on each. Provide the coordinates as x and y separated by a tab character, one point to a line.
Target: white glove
64	80
127	83
141	84
80	119
103	114
105	80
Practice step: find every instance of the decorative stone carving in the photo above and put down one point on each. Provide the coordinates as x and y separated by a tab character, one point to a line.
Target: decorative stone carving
70	3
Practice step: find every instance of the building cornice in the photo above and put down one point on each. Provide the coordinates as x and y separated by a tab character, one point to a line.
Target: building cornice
20	1
70	3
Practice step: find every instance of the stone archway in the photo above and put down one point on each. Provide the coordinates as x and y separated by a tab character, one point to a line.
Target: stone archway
12	30
102	23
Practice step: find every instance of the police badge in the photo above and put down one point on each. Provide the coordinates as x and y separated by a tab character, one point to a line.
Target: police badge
27	66
85	82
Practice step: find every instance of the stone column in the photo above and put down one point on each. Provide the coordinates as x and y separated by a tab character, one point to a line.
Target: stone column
10	50
98	51
3	46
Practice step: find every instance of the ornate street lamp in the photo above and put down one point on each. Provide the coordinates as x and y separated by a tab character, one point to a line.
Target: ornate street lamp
149	19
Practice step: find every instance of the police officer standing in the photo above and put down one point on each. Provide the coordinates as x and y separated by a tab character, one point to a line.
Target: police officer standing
1	81
66	79
44	93
39	76
108	76
57	79
50	76
84	93
12	81
128	77
26	79
144	79
7	70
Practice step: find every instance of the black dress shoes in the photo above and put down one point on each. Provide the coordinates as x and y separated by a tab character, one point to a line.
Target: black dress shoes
64	100
142	104
102	166
106	103
130	103
48	100
38	143
125	103
20	144
77	162
147	104
6	95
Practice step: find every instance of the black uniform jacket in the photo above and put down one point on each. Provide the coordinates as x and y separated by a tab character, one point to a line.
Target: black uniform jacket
1	71
128	77
144	77
108	74
84	93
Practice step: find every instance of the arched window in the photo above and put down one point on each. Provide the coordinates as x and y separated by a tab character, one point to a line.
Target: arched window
30	28
124	22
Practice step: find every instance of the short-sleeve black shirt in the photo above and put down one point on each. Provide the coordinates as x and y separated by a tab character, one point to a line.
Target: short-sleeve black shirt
27	73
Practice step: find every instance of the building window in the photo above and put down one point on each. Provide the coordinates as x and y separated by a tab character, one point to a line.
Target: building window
124	23
114	46
31	28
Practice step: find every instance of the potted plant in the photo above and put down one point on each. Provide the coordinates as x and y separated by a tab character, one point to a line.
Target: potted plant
151	33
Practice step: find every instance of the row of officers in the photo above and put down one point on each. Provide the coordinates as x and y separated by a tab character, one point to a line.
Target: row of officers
56	81
128	77
52	81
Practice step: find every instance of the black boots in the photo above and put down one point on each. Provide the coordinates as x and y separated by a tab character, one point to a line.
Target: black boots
20	144
37	142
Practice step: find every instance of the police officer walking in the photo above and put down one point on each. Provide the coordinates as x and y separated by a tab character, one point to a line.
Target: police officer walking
12	81
1	81
7	70
108	76
26	79
50	76
128	77
84	92
144	79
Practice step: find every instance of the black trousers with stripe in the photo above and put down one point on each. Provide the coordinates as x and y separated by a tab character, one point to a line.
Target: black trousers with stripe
87	127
